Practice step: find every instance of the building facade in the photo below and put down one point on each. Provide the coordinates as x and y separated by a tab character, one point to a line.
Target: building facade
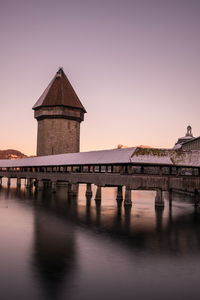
194	144
59	113
188	142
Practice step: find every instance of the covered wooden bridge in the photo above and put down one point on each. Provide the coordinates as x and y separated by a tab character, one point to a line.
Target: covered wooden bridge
132	168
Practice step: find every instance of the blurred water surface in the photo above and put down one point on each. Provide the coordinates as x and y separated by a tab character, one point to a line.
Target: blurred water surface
56	247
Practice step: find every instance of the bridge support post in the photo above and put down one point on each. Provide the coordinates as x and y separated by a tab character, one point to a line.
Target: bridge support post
29	183
53	186
88	192
98	194
40	185
74	189
119	193
69	189
119	197
159	198
8	183
128	200
18	183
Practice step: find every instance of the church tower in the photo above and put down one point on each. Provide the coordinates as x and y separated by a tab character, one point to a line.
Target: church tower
59	113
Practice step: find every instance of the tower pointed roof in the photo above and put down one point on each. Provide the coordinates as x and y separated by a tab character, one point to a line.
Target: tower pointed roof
59	92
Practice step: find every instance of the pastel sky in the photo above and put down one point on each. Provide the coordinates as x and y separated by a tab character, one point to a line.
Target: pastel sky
135	66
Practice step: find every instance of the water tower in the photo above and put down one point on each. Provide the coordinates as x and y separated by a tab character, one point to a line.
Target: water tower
59	113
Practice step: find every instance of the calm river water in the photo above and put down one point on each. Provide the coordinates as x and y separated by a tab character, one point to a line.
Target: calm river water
52	247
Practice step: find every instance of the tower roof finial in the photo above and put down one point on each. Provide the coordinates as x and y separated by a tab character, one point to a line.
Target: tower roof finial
60	69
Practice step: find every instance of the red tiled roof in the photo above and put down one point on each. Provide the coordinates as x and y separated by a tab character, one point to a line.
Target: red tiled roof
59	93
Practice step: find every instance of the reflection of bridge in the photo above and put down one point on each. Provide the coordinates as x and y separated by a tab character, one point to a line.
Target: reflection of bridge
56	248
161	234
134	168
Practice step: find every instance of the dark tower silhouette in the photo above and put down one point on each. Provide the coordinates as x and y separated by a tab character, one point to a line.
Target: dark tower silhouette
59	113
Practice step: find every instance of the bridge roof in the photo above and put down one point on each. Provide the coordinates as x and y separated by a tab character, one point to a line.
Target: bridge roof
115	156
59	92
80	158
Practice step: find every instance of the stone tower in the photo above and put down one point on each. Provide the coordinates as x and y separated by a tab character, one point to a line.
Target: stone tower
59	113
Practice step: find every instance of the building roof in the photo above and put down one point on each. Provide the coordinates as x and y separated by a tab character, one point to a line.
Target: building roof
191	140
59	92
150	156
80	158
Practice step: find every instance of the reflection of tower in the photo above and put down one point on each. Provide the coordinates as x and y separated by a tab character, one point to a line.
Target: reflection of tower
59	113
54	252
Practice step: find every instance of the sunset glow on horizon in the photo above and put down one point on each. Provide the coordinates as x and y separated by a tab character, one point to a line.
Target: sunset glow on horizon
133	64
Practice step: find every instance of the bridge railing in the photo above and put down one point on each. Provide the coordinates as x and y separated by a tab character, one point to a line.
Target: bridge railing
126	169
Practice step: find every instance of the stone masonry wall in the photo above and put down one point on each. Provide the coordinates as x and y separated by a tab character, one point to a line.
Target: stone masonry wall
57	136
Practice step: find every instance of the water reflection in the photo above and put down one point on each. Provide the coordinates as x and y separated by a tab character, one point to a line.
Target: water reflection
116	220
66	229
54	253
55	243
88	210
165	228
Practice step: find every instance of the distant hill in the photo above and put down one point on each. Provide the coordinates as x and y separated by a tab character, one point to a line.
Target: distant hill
120	146
11	154
144	146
